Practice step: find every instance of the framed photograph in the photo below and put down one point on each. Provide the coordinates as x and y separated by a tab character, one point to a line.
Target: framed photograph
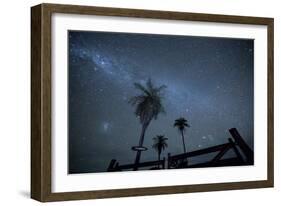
132	102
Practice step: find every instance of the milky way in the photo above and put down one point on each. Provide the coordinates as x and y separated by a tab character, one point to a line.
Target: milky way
209	82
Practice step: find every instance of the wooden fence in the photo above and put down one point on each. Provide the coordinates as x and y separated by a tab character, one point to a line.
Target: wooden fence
244	156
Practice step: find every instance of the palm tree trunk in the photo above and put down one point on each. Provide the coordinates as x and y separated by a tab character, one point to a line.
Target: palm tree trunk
184	149
137	160
159	159
186	163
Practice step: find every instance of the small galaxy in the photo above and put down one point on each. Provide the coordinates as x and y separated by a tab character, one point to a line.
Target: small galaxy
209	81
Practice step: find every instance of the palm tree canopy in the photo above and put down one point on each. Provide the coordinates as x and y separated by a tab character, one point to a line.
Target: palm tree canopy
181	123
149	102
160	143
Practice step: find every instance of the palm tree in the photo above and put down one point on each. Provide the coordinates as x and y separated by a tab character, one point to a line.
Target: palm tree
181	124
159	145
148	105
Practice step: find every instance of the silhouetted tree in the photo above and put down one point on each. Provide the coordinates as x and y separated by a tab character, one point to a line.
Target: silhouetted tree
159	144
181	124
148	105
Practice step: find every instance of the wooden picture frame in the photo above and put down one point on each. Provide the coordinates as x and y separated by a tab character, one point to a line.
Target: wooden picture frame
41	162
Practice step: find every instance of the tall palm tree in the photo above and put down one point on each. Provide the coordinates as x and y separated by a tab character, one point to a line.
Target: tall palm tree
148	105
159	145
181	124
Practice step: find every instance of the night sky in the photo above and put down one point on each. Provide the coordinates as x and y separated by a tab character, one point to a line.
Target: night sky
209	82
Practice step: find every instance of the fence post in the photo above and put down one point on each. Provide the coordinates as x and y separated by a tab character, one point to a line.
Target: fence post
163	164
169	159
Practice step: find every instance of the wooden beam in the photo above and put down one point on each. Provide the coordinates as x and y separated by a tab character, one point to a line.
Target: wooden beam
223	162
141	164
238	154
243	145
200	152
220	154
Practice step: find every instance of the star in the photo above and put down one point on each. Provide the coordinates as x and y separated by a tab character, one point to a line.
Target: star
106	126
209	82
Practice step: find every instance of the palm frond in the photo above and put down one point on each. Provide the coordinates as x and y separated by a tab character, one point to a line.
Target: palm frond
137	99
161	88
181	123
149	103
149	85
141	88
